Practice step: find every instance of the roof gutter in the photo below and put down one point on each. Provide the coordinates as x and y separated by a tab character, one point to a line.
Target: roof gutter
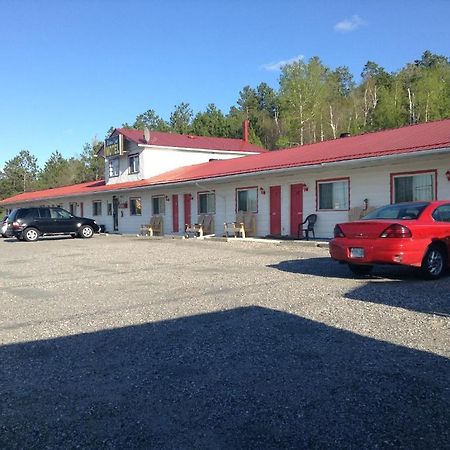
353	162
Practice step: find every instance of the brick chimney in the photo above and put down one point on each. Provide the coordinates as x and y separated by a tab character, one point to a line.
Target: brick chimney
245	126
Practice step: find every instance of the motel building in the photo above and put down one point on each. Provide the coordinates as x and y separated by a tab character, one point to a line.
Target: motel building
180	179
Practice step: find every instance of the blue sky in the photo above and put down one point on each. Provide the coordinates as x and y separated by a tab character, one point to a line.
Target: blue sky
71	69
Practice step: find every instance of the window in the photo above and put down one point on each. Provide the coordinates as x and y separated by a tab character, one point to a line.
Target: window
73	208
97	208
58	213
411	211
109	209
135	206
413	187
113	167
247	199
133	164
442	213
333	194
207	203
158	204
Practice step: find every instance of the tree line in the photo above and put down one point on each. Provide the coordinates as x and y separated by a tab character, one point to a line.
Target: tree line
311	103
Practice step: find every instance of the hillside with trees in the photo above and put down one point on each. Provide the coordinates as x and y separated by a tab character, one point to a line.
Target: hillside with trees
311	103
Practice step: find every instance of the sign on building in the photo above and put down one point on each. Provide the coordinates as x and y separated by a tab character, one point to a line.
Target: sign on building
114	146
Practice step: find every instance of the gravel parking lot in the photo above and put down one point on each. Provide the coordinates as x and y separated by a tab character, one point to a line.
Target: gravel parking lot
126	342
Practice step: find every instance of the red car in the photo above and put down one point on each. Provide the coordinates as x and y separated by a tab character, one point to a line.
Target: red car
413	234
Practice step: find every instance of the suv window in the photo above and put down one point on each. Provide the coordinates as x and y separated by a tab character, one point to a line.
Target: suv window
44	213
59	213
28	213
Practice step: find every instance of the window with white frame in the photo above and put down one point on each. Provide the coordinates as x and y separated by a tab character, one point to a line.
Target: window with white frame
413	187
113	164
97	208
133	164
333	194
206	203
135	206
247	199
158	204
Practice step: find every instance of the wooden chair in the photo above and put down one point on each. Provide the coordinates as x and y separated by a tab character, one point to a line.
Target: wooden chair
205	226
244	226
310	221
155	227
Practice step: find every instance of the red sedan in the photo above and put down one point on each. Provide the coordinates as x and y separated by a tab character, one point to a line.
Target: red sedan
413	234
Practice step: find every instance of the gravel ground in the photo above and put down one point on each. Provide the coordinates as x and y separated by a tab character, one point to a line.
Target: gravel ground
126	342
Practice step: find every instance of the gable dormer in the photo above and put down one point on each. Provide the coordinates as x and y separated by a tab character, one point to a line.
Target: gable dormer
132	155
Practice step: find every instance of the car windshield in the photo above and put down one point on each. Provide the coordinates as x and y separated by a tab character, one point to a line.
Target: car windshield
403	211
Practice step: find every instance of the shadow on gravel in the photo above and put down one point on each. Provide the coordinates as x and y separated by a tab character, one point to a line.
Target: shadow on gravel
405	289
430	297
244	378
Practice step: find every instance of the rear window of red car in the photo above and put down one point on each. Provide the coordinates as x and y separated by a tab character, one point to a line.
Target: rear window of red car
400	211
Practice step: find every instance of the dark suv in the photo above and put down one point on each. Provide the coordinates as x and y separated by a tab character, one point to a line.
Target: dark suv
30	223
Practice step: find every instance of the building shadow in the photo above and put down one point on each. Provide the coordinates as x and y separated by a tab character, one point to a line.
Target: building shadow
244	378
414	295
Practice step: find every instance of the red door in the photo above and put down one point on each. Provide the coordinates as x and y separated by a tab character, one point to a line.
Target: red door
175	216
187	209
275	210
296	207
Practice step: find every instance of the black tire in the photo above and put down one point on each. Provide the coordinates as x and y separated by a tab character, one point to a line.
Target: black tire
434	263
86	232
360	269
30	234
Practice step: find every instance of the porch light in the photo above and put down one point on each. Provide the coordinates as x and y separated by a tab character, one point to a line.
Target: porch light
262	190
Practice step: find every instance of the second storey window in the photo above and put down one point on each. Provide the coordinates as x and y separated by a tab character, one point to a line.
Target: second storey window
133	164
113	167
158	204
97	208
207	203
135	206
413	187
333	194
247	199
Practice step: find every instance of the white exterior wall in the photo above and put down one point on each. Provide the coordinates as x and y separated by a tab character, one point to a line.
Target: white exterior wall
156	160
131	149
372	182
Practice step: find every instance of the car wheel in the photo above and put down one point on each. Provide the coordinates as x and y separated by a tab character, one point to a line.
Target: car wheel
30	234
86	232
433	263
360	269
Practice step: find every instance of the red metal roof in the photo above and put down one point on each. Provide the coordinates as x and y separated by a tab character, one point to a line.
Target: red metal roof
410	139
189	141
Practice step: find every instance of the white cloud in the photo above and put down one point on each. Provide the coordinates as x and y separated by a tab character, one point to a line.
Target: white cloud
271	67
348	25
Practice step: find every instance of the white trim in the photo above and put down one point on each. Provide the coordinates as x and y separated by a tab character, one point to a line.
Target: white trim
201	150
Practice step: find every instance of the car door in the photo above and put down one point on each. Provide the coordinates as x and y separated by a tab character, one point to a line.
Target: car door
63	221
44	222
441	216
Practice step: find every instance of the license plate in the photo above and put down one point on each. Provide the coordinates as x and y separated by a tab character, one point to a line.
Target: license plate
356	253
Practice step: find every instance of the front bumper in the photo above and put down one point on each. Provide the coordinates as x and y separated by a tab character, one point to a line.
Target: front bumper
388	251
